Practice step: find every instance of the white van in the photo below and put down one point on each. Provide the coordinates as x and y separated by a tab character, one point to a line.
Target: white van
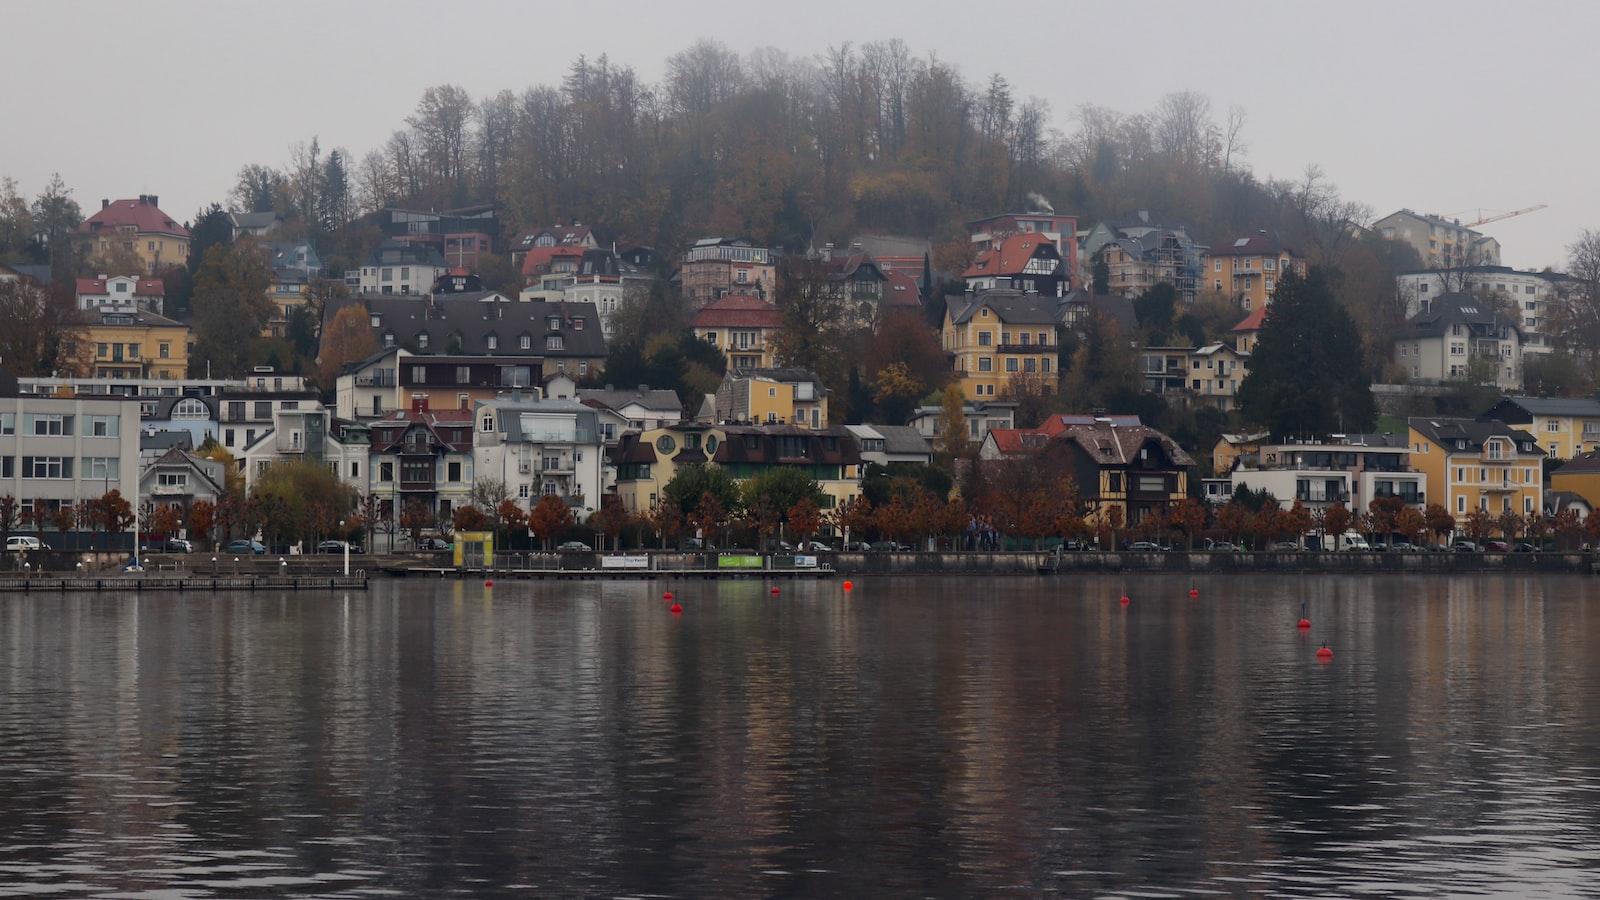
25	542
1353	541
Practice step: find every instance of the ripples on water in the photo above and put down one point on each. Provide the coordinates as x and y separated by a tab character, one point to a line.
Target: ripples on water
919	736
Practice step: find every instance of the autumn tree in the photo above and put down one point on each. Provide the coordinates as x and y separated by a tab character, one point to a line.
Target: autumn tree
805	518
347	339
852	517
415	516
165	520
1478	525
467	517
1336	520
1439	520
41	335
510	518
549	518
951	441
1188	516
230	308
816	328
114	511
665	519
610	519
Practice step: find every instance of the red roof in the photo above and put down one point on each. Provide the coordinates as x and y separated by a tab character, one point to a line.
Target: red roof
738	311
539	259
1009	258
903	290
146	287
1253	321
144	216
1011	441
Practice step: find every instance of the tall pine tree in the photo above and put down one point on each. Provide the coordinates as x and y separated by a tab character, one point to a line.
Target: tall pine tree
1306	374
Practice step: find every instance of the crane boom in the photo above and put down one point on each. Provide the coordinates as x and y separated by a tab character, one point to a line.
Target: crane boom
1484	220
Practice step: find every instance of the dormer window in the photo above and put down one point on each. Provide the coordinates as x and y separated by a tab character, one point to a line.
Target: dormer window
577	324
553	342
375	322
525	342
486	424
422	341
554	323
493	342
388	339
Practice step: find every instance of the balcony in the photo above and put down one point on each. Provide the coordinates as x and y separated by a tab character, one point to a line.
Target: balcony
417	484
376	379
1322	496
1009	347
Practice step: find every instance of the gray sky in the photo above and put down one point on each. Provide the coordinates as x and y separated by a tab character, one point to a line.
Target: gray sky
1441	107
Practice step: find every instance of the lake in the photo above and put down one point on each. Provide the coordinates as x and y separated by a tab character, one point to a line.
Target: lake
918	735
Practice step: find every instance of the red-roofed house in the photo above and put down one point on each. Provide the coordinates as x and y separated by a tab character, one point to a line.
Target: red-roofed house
121	292
1246	332
902	291
741	326
1060	230
1028	262
138	226
548	271
573	235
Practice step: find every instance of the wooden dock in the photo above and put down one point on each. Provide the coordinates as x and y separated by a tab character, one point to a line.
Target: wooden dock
146	584
609	574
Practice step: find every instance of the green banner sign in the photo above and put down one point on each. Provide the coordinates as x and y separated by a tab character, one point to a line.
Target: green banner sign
738	562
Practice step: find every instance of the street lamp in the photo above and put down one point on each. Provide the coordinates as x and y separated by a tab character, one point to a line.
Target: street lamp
346	543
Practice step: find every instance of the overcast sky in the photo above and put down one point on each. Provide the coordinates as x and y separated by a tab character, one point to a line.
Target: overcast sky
1441	107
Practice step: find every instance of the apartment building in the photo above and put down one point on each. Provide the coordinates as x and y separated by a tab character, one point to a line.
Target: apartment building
1353	470
994	336
716	266
786	395
1248	270
1478	465
137	226
1061	231
1440	242
59	452
1458	336
129	342
742	327
1535	296
1565	427
542	448
647	462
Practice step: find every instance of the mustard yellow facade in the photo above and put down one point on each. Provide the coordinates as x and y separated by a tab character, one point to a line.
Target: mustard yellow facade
286	296
125	345
154	250
745	346
1248	271
1478	465
1581	477
997	336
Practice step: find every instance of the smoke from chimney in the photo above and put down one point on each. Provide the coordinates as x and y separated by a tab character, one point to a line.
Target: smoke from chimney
1040	203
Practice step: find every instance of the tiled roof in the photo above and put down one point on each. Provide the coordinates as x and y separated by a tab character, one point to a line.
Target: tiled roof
539	259
474	316
1258	244
648	398
1010	257
145	287
1253	321
1553	406
1106	443
738	311
1011	441
903	291
563	234
1055	424
1447	431
1011	306
145	217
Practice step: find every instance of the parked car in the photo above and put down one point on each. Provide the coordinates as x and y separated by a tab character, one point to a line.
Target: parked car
814	547
433	543
1405	547
1496	547
1465	547
1075	545
1146	547
246	547
888	547
177	545
1524	548
698	544
574	547
1222	546
22	542
336	547
1285	547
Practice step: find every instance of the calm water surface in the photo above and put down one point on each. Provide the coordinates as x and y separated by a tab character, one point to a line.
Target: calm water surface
932	736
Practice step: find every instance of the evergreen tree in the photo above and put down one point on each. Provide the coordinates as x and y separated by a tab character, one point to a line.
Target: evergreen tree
1101	278
211	228
1306	374
333	200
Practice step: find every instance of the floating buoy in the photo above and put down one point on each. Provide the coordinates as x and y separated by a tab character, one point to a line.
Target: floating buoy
1193	593
1323	653
1303	624
666	595
848	584
675	609
1125	601
774	591
488	582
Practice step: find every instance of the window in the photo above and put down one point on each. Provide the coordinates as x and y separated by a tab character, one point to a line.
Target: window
172	479
8	423
985	364
1011	364
422	341
165	348
1269	265
984	339
419	374
577	324
463	374
553	323
101	351
525	342
1216	266
100	426
47	467
355	468
386	471
453	471
1461	503
553	342
100	467
263	409
493	342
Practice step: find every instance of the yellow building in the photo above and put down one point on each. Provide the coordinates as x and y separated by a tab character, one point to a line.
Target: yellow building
137	226
646	462
1248	270
1230	447
1581	476
136	344
789	396
997	335
1564	427
287	293
1478	465
741	326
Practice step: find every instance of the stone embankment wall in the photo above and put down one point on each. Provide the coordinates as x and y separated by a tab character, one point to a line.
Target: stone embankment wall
1179	561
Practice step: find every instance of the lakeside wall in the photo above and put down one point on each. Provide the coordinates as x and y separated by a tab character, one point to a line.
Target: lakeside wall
1179	561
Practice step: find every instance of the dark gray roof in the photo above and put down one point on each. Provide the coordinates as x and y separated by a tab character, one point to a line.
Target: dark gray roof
254	219
1544	406
902	439
1493	270
474	318
1011	306
649	398
1446	432
1111	306
395	253
166	440
1456	308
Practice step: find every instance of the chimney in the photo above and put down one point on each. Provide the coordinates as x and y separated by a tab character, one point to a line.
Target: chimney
104	203
419	403
643	388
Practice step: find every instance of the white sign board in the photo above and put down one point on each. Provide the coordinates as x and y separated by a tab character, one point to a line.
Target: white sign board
624	562
805	562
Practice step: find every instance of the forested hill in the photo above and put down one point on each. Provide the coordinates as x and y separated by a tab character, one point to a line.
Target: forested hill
795	151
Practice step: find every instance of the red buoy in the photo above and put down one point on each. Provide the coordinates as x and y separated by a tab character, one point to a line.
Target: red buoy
1303	624
774	591
1193	593
675	609
1324	654
488	582
848	585
1125	601
666	595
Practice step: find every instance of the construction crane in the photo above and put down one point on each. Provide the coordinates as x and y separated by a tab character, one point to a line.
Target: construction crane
1497	217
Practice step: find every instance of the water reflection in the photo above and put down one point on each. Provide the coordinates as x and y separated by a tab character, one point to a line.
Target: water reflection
931	736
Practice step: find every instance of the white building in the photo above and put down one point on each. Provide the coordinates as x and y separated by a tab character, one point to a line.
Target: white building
1458	337
396	268
1353	470
61	452
121	293
540	447
1440	242
1534	295
885	444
